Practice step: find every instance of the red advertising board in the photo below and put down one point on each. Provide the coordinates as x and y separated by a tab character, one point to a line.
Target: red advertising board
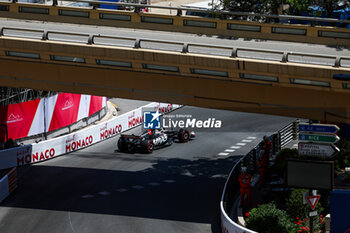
28	118
66	110
95	104
18	118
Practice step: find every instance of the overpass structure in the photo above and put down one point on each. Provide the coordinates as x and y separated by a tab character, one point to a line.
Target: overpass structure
181	23
194	71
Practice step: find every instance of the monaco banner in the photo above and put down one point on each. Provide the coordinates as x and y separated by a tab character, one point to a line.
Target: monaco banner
46	114
68	143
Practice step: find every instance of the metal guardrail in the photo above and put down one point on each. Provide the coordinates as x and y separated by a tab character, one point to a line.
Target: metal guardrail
137	7
278	141
240	52
287	134
236	24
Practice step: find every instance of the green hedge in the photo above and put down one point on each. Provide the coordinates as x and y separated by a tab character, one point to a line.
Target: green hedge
268	219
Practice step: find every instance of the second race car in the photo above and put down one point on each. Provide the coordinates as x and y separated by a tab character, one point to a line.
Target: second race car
150	140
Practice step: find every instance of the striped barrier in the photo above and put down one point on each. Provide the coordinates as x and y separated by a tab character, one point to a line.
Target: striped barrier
8	184
45	150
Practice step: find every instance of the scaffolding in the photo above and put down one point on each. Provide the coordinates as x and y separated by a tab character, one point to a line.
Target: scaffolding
10	95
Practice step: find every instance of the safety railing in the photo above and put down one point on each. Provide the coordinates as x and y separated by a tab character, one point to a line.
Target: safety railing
237	24
232	187
195	48
287	134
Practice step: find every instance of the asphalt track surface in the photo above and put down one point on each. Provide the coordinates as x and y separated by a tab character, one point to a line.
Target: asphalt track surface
98	189
179	37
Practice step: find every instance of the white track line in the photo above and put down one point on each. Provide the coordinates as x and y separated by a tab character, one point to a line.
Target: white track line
246	140
154	184
121	190
229	150
104	193
169	181
253	138
223	154
235	147
241	144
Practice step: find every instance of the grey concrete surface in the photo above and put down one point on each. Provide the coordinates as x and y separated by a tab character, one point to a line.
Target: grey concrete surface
126	105
98	189
178	37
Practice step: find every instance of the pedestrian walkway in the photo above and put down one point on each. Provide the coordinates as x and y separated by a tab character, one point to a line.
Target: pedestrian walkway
259	192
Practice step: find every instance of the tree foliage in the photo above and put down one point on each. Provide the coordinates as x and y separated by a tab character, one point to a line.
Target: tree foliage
342	159
268	219
296	7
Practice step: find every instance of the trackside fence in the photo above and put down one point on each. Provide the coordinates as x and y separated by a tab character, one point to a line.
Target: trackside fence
231	190
11	158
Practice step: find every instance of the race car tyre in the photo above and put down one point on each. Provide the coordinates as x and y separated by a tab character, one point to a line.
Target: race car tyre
183	135
147	147
122	146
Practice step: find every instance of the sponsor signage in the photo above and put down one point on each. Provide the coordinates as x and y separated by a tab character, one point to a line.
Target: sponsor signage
318	150
68	143
318	128
318	138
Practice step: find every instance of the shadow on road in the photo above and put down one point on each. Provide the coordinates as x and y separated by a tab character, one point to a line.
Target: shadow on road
172	189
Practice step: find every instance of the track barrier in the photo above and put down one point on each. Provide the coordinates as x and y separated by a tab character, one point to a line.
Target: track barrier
231	188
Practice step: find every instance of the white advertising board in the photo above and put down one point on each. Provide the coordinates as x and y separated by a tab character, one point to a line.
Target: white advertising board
68	143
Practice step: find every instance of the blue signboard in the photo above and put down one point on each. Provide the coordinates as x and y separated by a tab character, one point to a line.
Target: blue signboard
340	208
318	128
107	6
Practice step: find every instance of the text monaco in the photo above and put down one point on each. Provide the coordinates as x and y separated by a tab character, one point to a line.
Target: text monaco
43	155
192	123
77	144
106	133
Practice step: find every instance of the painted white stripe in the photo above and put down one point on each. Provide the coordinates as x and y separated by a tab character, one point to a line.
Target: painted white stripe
154	184
84	106
121	190
137	187
246	140
104	193
235	147
38	121
223	154
169	181
228	150
50	104
241	144
253	138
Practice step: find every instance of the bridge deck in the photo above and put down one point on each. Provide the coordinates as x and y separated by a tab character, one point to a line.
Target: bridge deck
181	37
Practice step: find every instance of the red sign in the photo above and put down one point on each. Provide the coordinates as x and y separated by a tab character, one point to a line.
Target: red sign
312	200
66	110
